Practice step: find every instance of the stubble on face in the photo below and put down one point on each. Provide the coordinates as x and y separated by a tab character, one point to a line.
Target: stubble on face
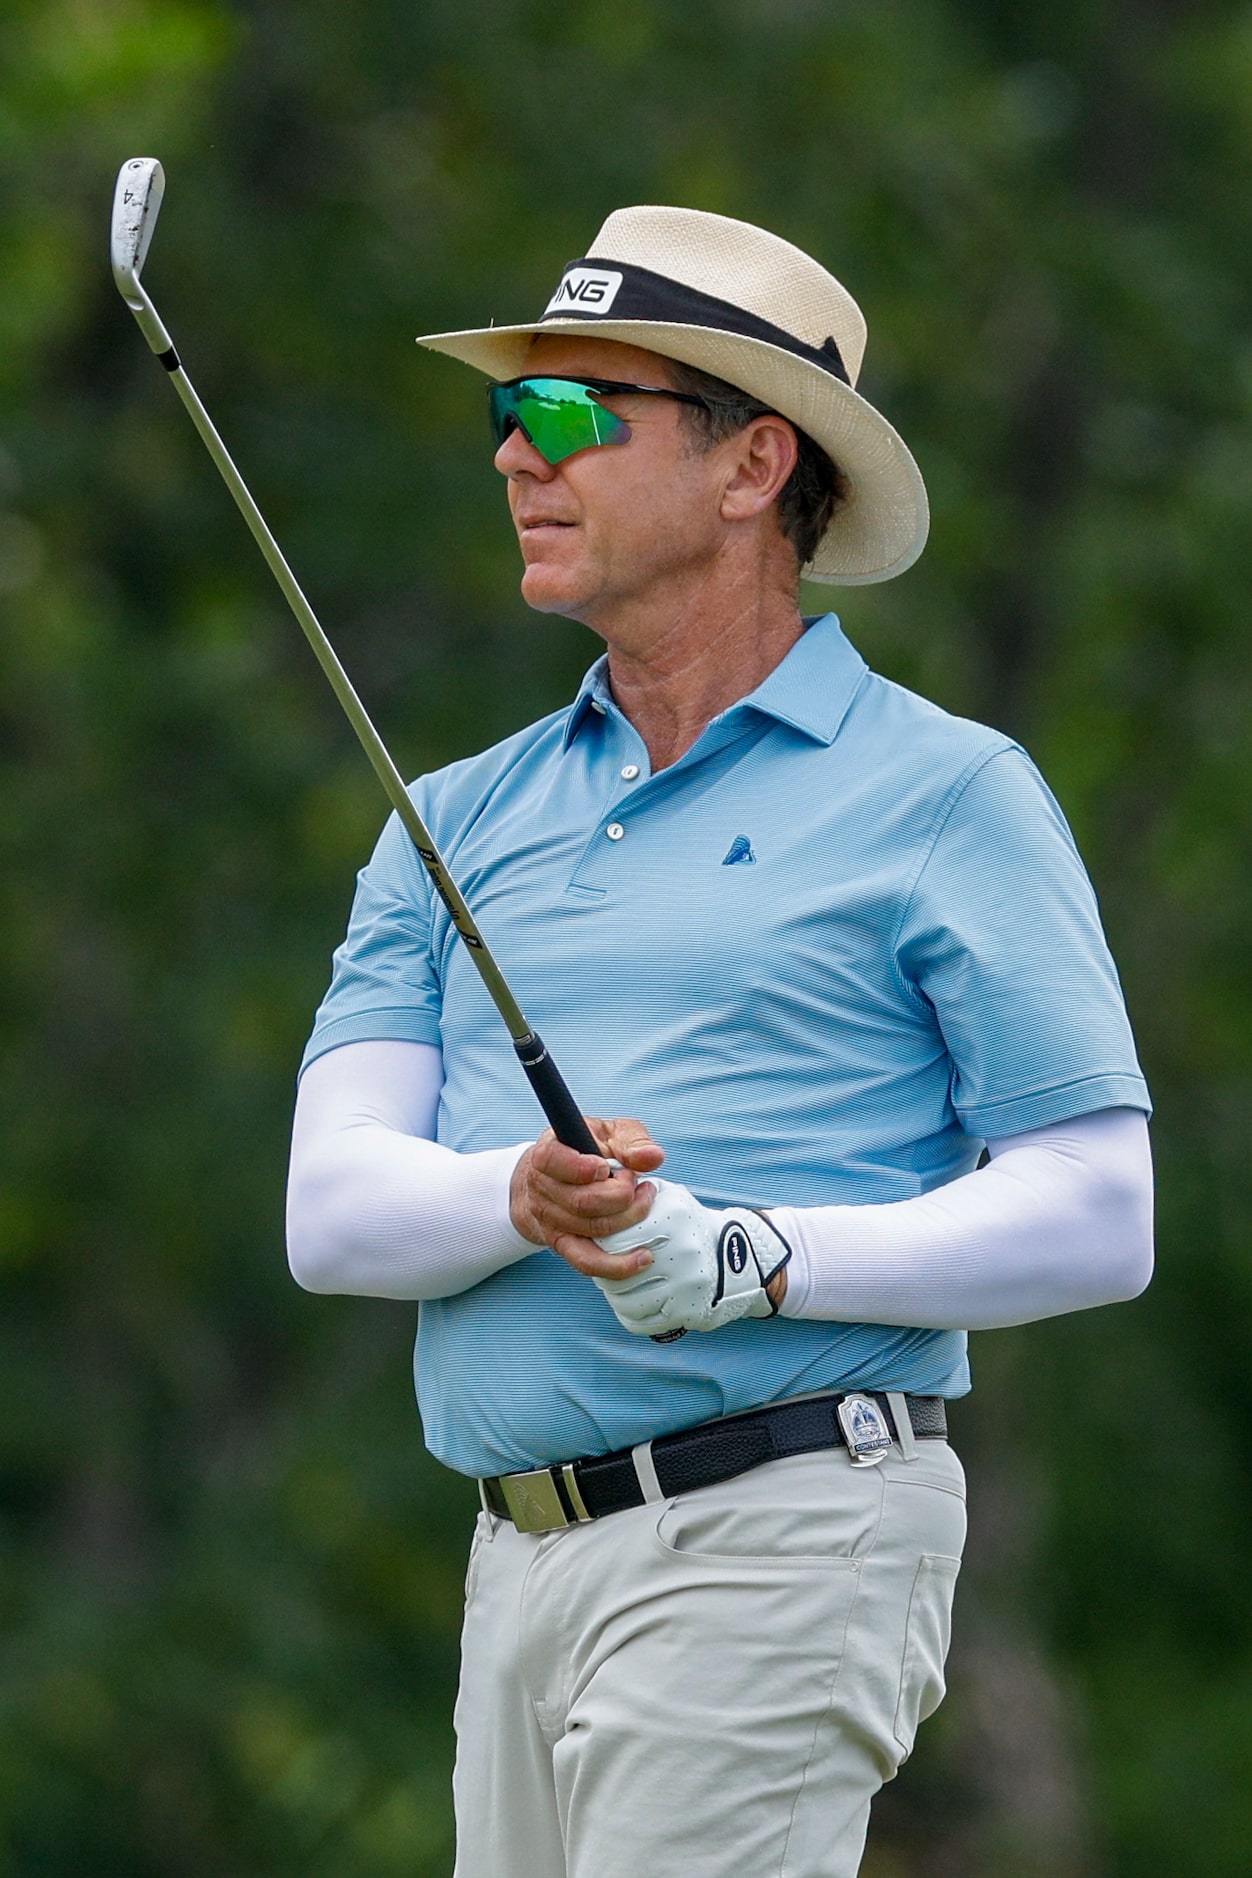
616	530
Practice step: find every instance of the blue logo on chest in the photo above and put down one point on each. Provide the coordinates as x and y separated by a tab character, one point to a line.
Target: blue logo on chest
740	850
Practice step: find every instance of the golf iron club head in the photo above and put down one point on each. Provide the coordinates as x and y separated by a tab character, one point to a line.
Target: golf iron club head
136	205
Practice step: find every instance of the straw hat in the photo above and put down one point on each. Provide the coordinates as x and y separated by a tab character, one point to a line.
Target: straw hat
756	311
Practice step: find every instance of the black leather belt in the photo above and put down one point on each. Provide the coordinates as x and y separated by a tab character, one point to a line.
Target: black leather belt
573	1491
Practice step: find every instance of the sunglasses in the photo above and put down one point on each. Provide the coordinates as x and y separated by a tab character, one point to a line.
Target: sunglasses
562	415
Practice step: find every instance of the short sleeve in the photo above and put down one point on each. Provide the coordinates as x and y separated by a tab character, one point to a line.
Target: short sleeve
1001	935
384	985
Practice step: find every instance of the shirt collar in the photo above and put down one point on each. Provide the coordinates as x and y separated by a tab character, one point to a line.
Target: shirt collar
810	690
594	694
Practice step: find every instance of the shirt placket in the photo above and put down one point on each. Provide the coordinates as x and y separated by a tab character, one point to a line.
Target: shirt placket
633	790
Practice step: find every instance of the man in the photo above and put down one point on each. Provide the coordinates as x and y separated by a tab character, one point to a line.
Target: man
828	942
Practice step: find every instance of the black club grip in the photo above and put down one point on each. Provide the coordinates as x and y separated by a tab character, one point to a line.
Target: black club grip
564	1115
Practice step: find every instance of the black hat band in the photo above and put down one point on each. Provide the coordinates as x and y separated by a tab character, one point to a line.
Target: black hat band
592	289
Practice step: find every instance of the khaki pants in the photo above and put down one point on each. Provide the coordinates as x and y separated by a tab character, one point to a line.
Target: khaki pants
714	1686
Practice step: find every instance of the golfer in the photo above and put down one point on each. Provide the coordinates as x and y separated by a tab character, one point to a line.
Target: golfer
822	952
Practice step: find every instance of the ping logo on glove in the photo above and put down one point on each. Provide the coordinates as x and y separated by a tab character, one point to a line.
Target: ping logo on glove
734	1248
709	1267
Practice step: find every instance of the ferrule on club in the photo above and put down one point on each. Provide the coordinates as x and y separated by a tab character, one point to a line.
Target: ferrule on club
149	322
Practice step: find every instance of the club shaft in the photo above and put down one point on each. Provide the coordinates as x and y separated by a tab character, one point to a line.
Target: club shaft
554	1098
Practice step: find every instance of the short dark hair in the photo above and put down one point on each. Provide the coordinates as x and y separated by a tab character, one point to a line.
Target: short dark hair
816	486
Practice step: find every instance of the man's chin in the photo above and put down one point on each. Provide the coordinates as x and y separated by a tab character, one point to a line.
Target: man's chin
546	589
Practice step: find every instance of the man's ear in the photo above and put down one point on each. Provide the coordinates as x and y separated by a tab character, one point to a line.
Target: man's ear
761	457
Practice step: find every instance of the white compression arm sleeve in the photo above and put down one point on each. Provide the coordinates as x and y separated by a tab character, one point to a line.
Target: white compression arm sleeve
1060	1220
375	1206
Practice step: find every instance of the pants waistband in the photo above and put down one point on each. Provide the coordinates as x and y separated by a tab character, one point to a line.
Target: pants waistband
864	1421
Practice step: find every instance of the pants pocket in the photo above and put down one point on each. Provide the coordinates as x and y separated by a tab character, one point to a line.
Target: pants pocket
927	1634
811	1509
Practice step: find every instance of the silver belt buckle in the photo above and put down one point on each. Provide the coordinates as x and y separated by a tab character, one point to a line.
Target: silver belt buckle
865	1430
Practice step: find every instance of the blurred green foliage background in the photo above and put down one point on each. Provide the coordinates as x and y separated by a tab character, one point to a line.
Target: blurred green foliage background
229	1578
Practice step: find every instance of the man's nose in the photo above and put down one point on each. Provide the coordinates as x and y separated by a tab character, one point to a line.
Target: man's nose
517	456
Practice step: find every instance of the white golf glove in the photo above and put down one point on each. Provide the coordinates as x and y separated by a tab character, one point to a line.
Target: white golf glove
708	1267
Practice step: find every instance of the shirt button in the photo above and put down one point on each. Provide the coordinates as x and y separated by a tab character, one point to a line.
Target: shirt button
615	831
629	772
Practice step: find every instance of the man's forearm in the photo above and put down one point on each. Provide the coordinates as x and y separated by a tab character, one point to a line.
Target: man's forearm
1059	1221
376	1209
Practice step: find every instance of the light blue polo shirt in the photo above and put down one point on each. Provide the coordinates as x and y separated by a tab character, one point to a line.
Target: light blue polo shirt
823	955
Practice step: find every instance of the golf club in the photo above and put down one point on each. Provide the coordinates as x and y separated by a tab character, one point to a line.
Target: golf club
136	204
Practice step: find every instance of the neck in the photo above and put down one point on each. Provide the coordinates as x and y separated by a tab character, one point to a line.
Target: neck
672	678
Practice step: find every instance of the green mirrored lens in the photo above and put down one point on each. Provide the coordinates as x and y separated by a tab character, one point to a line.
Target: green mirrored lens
558	415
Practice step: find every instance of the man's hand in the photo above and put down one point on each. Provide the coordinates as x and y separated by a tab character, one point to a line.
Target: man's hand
708	1268
561	1198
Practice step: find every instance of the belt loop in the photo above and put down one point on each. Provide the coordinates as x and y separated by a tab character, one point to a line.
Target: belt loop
899	1406
482	1496
645	1473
